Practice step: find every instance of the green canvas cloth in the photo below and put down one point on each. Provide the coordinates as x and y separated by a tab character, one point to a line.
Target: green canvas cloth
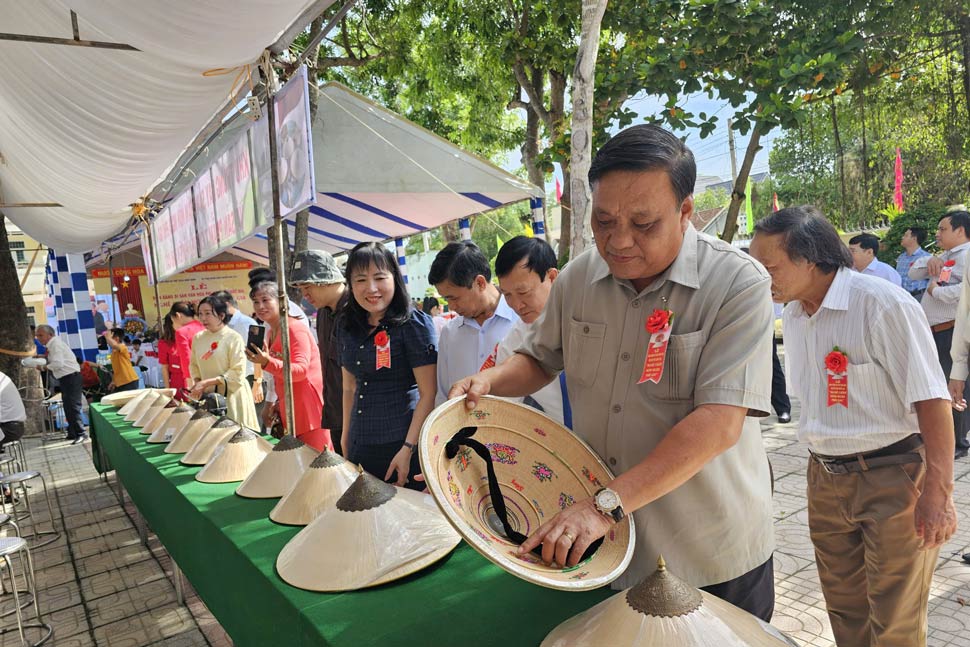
227	548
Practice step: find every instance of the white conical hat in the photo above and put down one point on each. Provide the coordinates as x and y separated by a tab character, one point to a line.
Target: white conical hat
142	406
374	533
235	459
277	475
198	424
153	410
123	399
203	449
162	416
665	610
327	478
176	422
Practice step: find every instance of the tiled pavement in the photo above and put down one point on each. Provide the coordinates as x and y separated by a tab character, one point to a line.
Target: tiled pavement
101	586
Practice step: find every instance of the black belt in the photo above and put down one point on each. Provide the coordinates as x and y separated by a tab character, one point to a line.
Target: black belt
899	453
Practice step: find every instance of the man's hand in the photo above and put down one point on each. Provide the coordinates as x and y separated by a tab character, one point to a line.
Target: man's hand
956	393
566	536
472	388
935	518
934	266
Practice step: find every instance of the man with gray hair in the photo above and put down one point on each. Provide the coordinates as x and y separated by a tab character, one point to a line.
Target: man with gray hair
63	365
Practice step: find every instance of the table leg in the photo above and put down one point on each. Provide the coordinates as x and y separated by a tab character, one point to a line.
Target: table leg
177	575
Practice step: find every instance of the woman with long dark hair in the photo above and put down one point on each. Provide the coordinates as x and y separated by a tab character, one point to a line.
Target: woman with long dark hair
173	375
388	350
186	328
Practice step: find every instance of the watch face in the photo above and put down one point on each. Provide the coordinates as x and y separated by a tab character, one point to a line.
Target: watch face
607	500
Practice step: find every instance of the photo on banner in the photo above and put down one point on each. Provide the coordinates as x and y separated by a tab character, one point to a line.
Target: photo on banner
183	230
165	252
294	145
261	172
205	215
235	203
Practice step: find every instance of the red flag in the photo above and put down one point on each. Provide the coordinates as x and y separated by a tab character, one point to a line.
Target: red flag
898	193
558	191
774	203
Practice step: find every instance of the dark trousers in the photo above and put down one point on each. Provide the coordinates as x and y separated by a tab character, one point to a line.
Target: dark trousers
375	460
71	396
13	430
131	386
961	421
779	395
335	434
754	591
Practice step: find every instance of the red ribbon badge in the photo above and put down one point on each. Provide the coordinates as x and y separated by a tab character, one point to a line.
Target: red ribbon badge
946	271
490	360
212	349
383	345
659	327
837	368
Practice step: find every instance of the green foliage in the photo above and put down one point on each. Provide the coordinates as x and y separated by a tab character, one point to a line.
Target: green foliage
711	198
925	215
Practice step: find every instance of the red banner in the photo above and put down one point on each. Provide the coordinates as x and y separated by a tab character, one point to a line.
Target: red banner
653	363
838	384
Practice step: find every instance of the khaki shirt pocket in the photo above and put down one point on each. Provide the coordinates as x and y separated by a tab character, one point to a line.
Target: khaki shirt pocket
585	349
680	367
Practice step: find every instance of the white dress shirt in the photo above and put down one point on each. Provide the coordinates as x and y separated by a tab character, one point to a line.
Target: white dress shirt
241	322
892	365
549	397
941	306
60	358
883	271
464	346
11	406
960	347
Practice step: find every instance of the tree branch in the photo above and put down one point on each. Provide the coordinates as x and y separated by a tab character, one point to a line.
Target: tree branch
346	61
535	100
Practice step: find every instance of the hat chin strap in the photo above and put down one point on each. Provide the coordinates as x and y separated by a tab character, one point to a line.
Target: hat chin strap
464	438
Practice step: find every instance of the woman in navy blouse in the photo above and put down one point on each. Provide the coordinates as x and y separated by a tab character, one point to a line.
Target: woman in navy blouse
388	351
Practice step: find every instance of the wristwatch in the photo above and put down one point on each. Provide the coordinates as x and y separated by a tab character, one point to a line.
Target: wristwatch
608	502
411	446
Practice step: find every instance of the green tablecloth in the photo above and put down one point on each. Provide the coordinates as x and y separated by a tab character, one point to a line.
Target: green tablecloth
227	548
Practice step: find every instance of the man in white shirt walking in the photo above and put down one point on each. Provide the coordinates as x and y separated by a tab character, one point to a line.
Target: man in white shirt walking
875	416
941	299
864	248
469	342
63	365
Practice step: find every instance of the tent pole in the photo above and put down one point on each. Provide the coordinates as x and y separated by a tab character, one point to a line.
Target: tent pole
281	240
111	286
151	252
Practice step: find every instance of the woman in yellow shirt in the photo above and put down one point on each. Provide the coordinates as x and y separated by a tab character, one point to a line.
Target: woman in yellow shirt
124	377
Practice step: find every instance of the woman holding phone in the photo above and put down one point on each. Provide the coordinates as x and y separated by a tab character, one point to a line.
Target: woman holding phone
389	356
305	367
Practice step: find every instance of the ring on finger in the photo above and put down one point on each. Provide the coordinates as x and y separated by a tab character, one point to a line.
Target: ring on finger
568	536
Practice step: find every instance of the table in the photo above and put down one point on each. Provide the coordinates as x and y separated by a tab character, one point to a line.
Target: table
227	547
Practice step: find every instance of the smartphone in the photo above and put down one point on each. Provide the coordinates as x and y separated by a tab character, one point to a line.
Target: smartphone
257	337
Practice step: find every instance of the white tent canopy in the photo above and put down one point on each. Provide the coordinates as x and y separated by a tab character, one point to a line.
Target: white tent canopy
94	129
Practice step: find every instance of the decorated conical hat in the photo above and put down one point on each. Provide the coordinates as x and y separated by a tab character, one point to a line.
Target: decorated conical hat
142	406
123	399
161	416
203	449
188	435
541	468
665	610
153	410
167	430
328	477
280	471
236	458
357	531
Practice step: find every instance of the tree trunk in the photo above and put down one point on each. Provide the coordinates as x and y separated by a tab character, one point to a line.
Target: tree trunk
840	155
737	193
581	140
866	206
964	23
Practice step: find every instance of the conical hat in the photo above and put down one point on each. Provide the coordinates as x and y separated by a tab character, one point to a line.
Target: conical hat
153	410
665	610
161	417
188	435
176	422
203	449
328	477
142	406
374	533
277	475
541	468
236	458
123	399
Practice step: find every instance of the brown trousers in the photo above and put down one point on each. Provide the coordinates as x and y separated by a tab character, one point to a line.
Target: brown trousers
875	579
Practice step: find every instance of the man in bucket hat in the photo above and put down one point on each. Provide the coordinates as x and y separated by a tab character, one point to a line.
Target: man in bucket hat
319	279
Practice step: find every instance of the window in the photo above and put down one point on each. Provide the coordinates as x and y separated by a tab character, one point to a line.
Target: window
17	251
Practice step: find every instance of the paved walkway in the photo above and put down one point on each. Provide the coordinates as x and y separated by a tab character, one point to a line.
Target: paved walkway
101	586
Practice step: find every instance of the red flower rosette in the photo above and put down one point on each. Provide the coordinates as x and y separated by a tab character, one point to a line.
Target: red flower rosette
950	263
837	381
837	361
381	339
382	342
211	350
658	320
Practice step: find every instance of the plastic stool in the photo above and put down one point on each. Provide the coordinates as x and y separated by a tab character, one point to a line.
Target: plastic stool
10	546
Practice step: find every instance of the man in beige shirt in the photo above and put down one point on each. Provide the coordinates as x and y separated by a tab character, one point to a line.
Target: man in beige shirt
691	465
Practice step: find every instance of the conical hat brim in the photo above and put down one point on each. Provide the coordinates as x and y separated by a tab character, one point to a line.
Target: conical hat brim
151	412
189	435
277	474
234	461
715	624
167	431
123	399
157	421
367	548
142	406
207	444
541	467
318	488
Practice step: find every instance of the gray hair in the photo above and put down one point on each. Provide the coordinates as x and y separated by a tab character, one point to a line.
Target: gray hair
270	287
46	329
807	236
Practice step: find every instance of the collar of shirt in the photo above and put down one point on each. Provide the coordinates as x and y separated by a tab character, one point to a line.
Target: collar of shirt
502	310
919	252
837	298
683	270
956	250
